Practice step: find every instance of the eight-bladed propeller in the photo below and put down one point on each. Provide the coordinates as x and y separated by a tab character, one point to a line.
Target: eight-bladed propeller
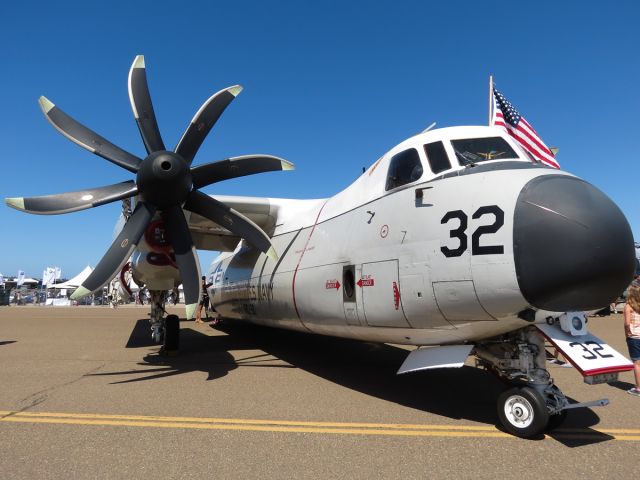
165	183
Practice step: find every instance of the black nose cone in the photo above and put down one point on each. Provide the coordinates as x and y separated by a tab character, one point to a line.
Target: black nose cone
573	247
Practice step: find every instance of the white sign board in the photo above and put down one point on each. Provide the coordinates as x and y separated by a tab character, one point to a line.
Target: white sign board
589	354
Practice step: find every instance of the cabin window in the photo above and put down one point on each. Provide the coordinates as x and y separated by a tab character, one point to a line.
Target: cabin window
405	167
474	150
437	157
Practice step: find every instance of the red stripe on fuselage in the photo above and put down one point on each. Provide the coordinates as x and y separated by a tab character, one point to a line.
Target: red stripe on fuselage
295	272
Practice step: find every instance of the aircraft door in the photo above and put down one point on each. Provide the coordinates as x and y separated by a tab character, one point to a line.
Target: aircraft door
351	295
380	288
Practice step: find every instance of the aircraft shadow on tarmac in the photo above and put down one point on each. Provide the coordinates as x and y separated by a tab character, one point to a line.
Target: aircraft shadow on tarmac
198	352
464	393
370	368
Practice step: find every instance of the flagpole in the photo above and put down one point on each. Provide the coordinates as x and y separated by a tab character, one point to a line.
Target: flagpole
490	97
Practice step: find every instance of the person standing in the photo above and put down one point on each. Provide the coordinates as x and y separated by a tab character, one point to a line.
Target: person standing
632	332
204	301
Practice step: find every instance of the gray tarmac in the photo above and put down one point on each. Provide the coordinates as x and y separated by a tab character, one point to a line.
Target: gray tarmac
84	394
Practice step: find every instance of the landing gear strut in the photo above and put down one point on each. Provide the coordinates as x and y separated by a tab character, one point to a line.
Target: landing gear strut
164	330
533	404
157	315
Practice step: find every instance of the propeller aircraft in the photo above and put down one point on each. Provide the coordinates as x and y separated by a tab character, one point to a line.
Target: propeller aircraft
454	241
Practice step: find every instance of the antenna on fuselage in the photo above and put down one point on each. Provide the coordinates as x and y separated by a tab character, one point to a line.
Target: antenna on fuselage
429	127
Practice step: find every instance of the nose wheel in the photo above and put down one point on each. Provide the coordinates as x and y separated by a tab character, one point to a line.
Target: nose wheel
164	330
533	404
171	340
523	412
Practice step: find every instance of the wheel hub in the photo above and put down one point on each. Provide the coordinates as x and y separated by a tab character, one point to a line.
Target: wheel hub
519	411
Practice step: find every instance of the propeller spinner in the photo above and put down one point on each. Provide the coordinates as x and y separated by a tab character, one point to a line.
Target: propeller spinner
165	183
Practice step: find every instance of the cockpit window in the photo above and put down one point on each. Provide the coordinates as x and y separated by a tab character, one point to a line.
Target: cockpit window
405	167
474	150
525	154
438	159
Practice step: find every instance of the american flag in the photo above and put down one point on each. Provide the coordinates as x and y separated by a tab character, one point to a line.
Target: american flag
505	115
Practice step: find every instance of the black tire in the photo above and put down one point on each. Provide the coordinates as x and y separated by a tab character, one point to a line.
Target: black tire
556	420
523	412
171	341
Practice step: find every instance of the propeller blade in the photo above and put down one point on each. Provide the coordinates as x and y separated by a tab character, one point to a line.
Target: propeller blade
74	201
119	252
234	167
203	121
233	221
142	107
81	135
186	257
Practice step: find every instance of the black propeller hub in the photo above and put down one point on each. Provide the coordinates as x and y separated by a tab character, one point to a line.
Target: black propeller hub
164	179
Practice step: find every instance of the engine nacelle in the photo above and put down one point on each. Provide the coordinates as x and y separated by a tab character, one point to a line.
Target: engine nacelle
153	262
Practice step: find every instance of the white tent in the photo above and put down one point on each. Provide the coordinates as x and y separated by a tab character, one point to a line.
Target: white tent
75	282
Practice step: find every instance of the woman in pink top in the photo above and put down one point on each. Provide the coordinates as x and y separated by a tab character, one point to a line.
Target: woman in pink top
632	331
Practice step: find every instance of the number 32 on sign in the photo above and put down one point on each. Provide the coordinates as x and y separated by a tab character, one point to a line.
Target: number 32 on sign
591	356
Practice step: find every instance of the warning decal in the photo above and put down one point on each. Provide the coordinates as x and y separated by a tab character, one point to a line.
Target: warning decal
331	284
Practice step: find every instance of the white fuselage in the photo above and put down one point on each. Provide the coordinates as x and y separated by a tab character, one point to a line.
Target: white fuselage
428	262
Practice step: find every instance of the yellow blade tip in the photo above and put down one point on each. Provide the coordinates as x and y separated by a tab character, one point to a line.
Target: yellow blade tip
272	254
79	293
235	90
191	310
139	62
287	165
45	104
16	202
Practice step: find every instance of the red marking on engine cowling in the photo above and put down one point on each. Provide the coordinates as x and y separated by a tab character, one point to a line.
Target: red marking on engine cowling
162	253
156	236
123	281
396	296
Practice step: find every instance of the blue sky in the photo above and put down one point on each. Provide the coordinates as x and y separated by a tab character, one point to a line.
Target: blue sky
329	86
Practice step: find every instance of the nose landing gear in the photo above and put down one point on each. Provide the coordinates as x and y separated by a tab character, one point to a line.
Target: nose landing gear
164	330
533	404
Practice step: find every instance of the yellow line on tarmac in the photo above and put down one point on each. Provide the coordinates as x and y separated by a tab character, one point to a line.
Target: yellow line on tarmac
292	426
243	421
256	428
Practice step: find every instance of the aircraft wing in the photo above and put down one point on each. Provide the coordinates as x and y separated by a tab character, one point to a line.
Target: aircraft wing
208	235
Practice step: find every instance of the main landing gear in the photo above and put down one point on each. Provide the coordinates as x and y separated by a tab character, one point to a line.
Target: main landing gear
532	404
165	330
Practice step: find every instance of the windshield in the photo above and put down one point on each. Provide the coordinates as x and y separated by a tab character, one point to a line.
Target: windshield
473	150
